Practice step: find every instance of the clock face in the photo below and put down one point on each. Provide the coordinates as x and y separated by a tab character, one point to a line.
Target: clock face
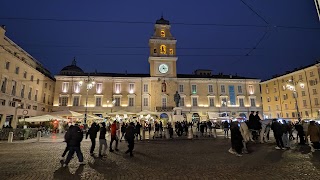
163	68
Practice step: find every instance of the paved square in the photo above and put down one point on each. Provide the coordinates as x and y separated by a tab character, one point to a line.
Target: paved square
160	159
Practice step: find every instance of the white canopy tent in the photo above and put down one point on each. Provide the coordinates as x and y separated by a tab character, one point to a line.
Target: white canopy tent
146	112
67	113
121	112
43	118
89	117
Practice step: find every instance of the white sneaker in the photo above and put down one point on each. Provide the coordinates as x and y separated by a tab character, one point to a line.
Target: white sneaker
231	151
277	147
238	155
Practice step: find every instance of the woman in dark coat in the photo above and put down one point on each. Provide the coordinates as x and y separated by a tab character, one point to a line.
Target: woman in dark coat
236	138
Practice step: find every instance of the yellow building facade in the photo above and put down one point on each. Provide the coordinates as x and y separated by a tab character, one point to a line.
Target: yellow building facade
203	95
26	86
278	94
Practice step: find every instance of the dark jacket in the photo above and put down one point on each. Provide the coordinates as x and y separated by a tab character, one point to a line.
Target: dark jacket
93	130
129	133
277	128
74	136
103	131
123	128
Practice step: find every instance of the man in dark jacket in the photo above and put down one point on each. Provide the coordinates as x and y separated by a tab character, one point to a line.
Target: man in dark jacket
93	130
138	128
74	136
130	138
102	139
277	131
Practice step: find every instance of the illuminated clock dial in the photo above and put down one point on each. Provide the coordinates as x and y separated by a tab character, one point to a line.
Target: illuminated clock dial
163	68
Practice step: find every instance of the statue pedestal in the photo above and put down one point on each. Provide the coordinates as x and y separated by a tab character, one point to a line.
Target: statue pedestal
177	114
177	111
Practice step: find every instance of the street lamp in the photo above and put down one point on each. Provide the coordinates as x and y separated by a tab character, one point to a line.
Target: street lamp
291	85
90	84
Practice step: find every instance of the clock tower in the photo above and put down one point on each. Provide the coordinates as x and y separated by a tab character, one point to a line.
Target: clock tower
162	58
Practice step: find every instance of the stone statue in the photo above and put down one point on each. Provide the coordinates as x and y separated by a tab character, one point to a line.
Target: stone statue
164	86
177	98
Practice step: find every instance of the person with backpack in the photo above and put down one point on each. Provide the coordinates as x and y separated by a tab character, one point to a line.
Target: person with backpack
74	136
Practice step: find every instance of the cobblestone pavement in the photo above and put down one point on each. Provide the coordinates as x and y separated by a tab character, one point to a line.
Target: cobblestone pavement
160	159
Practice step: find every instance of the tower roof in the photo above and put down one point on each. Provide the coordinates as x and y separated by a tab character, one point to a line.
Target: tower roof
162	21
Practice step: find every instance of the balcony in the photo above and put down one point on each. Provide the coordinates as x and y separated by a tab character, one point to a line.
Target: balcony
164	109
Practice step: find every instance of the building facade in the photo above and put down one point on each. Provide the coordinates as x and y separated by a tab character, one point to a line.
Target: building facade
203	95
278	94
26	86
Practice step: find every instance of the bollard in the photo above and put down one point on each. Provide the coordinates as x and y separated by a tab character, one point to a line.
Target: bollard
10	137
38	136
190	133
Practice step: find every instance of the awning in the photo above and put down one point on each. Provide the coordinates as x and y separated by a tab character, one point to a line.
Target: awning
121	112
43	118
213	115
67	113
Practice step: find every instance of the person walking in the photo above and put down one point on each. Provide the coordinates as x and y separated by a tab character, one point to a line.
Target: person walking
123	131
114	136
130	138
298	126
74	136
92	132
285	134
314	133
138	129
67	147
102	140
277	131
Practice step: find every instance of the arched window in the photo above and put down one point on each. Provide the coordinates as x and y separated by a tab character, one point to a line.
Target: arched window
163	49
163	34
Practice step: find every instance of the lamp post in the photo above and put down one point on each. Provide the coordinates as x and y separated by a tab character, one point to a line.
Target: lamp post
291	85
90	84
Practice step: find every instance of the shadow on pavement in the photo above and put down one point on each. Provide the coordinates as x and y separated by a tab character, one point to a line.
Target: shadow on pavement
105	166
64	173
274	156
315	160
303	149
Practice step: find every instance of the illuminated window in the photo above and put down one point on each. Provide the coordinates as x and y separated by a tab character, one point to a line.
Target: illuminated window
163	34
65	87
99	88
76	87
240	89
63	101
163	49
131	88
117	88
194	88
223	102
171	51
251	90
